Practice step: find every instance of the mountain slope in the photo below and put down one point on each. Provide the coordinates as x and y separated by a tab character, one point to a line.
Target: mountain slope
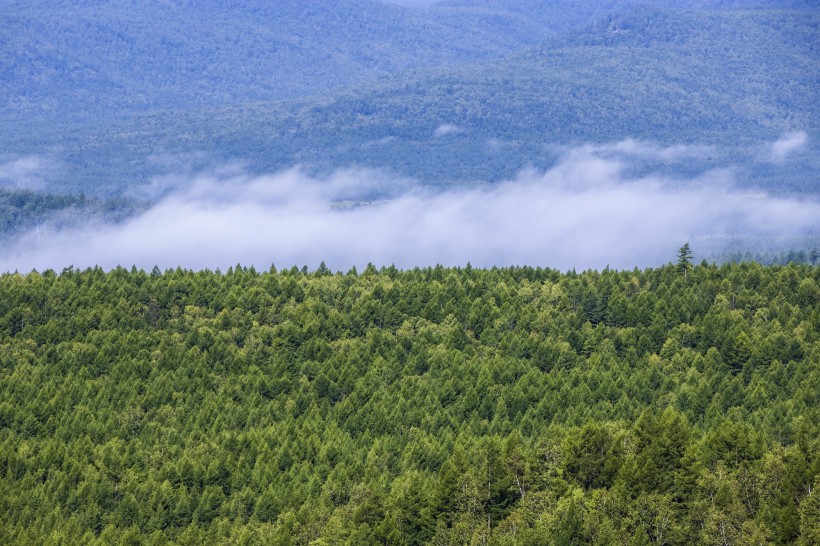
733	80
152	54
470	103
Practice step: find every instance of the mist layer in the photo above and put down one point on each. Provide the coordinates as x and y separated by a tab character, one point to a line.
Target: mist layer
582	213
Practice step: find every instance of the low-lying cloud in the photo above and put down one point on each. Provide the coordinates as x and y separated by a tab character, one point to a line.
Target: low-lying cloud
585	212
631	149
447	129
788	145
26	173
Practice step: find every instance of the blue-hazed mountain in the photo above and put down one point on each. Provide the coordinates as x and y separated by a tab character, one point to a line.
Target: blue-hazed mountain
460	90
60	56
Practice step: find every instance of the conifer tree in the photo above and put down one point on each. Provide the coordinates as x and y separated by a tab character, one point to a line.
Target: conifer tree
684	259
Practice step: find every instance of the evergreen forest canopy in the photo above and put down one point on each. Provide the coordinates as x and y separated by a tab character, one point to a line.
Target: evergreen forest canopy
676	405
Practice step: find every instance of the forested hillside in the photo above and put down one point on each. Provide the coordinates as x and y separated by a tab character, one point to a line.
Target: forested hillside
26	210
430	406
108	87
130	56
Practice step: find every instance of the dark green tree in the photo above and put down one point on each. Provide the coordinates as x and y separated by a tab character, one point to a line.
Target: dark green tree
684	259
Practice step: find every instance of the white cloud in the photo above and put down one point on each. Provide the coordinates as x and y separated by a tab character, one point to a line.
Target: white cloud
630	149
583	213
412	3
26	173
787	145
447	129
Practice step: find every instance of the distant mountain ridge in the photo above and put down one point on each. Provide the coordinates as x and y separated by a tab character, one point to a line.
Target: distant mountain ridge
151	54
62	57
107	86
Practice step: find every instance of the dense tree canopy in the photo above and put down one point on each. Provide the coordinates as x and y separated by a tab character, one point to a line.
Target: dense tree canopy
442	406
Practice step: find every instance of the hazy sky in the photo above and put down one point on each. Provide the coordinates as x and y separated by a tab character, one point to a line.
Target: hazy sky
584	212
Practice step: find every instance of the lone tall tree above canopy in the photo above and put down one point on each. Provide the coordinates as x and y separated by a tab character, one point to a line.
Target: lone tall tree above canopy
685	259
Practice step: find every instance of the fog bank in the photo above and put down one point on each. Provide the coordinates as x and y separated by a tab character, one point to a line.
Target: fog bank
582	213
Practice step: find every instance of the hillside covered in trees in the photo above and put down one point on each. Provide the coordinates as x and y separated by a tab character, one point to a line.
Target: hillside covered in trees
119	93
428	406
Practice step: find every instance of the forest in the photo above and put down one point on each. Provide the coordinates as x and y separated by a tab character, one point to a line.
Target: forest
519	405
107	90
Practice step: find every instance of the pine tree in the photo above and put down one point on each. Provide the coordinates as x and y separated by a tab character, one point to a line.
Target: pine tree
684	259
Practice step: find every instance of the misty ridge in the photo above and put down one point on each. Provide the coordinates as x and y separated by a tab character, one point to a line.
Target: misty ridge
565	134
590	210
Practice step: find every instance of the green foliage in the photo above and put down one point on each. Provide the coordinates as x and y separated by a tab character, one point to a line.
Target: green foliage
23	210
445	406
685	259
